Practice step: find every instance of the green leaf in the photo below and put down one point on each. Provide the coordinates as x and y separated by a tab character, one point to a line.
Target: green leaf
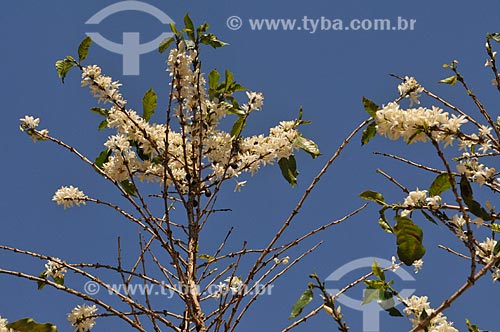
63	67
237	87
374	196
206	257
229	80
238	126
213	79
377	271
129	187
203	28
369	133
149	102
409	240
59	281
236	111
103	125
211	39
428	217
165	44
386	300
83	49
472	327
29	325
374	284
308	146
41	284
394	312
289	169
189	27
370	107
174	28
440	184
452	80
299	305
495	36
384	224
100	111
467	195
102	158
496	250
495	227
371	294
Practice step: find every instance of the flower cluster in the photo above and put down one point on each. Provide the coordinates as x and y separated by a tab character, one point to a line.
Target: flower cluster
3	325
255	101
416	306
67	196
410	88
474	170
29	124
140	149
417	124
485	252
101	86
283	261
82	317
55	269
419	198
233	284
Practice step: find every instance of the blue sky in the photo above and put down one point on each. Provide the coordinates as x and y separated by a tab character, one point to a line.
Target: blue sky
327	72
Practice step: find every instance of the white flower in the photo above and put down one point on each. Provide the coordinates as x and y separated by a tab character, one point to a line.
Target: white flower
239	185
29	125
434	201
486	249
234	283
29	122
415	198
415	124
394	266
415	306
418	264
67	196
80	318
484	130
102	87
55	269
410	89
458	220
475	171
496	275
255	100
3	325
283	261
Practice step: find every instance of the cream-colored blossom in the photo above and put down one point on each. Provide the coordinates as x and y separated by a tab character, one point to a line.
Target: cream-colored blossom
81	317
67	196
